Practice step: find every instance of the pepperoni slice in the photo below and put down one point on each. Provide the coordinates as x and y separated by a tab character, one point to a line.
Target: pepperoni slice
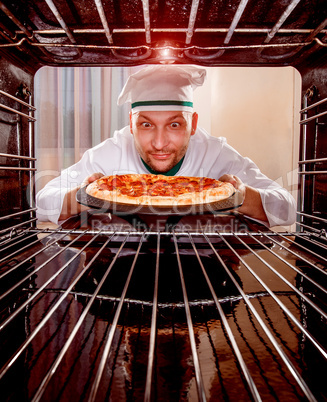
209	185
116	182
105	186
139	186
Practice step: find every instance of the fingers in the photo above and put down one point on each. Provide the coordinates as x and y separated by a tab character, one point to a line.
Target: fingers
229	179
234	180
91	178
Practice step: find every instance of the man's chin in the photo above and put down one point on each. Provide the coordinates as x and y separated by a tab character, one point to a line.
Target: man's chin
161	167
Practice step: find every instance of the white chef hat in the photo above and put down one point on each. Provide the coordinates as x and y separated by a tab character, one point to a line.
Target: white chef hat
159	87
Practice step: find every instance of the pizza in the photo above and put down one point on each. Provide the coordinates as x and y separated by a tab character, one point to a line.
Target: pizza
159	190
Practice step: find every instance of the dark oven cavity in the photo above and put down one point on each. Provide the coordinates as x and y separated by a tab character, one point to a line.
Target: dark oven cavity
166	315
210	307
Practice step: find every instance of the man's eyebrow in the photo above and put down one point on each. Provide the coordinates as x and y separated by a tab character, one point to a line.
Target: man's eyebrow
177	116
144	116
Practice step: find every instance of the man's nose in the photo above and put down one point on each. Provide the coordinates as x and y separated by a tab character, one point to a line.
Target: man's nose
160	139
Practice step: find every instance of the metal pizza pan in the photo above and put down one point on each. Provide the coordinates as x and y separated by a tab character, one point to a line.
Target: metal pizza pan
116	208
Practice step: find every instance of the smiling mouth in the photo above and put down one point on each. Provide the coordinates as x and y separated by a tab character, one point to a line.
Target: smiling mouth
160	156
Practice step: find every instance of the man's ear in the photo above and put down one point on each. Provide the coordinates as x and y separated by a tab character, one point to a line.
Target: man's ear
195	117
130	122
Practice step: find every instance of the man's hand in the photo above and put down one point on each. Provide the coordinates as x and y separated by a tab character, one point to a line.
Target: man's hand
252	204
235	181
91	178
70	206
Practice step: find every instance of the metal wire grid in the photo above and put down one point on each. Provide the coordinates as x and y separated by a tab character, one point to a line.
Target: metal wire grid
27	215
311	166
145	50
315	263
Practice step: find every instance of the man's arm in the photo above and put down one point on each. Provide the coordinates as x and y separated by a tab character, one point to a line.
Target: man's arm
252	204
70	206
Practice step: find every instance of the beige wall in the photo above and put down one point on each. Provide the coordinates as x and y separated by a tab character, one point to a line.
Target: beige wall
257	110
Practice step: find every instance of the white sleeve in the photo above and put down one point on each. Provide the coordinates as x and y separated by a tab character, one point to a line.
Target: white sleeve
102	158
278	203
49	200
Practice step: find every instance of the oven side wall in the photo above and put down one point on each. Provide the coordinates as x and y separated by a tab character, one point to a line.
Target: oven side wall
313	144
16	140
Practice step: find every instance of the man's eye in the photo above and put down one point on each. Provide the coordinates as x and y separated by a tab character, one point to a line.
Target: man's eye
175	125
146	124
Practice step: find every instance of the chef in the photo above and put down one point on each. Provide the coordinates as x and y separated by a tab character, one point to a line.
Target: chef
163	137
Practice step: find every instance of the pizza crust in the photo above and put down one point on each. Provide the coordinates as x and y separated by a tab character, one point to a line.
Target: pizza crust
181	190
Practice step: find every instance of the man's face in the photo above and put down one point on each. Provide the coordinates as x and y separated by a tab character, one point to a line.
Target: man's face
161	138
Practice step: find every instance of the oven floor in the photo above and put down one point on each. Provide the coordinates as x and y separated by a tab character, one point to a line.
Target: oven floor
33	340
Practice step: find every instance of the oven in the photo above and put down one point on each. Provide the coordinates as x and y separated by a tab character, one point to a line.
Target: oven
209	307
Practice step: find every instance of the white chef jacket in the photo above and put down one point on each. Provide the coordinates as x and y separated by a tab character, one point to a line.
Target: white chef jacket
206	156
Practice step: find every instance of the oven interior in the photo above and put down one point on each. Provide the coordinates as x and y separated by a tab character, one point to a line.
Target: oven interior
212	307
